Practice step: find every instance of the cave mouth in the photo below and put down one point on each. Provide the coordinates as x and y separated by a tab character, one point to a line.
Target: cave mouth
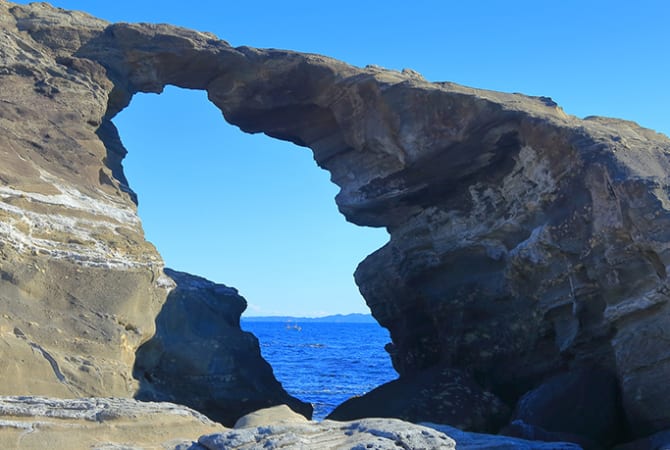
251	212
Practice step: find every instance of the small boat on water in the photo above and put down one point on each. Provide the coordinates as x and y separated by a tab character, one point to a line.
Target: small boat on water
293	326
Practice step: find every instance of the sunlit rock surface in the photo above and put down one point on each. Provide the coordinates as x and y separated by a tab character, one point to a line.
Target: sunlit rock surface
371	433
100	423
199	356
524	241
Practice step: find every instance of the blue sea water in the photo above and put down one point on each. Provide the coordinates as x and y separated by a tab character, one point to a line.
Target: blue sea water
325	363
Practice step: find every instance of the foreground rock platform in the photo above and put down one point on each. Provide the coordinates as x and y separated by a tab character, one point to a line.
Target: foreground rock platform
103	423
28	423
372	433
524	242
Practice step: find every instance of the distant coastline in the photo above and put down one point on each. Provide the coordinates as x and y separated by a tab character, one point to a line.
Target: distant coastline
337	318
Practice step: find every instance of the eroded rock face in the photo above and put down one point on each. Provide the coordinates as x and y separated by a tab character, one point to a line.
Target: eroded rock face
524	241
79	285
199	356
437	395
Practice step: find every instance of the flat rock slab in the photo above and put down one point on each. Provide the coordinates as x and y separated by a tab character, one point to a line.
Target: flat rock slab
373	433
100	423
378	434
480	441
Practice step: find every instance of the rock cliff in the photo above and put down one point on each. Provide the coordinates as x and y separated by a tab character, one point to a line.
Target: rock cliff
524	242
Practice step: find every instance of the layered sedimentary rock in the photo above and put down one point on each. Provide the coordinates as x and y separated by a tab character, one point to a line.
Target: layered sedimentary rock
524	241
100	423
199	356
79	285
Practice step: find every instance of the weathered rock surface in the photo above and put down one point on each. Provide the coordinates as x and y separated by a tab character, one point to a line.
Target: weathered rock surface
378	434
101	423
524	242
372	433
79	285
437	395
268	416
582	403
479	441
199	356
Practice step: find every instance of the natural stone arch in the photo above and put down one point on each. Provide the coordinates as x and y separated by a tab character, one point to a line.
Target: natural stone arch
199	356
477	183
524	241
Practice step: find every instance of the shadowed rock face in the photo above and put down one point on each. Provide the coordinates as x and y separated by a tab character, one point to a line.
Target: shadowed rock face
524	241
199	356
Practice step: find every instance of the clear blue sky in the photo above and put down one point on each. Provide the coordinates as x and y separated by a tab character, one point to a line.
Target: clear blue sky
258	214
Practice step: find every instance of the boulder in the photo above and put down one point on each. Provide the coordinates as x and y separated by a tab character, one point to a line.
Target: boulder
100	423
268	416
199	356
440	395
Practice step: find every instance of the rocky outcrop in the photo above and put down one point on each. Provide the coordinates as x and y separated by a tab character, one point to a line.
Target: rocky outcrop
373	433
379	434
79	285
479	441
524	242
199	356
100	423
437	395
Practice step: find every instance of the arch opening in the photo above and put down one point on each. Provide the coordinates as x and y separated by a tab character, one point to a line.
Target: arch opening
248	211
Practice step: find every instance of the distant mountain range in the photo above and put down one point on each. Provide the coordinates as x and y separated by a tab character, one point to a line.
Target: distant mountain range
337	318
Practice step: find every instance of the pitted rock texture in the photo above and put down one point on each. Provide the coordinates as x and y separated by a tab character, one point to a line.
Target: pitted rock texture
524	241
101	423
199	356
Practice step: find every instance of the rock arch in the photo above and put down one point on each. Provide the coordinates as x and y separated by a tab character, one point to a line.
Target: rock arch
524	242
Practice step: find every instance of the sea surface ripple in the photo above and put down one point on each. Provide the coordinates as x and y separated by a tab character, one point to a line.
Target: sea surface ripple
325	363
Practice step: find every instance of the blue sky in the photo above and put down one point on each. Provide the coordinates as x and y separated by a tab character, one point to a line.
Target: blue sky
259	215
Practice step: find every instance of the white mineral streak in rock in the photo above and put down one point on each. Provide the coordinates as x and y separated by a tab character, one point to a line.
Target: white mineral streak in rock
636	304
23	227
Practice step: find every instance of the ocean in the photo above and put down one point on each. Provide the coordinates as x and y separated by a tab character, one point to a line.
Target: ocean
325	363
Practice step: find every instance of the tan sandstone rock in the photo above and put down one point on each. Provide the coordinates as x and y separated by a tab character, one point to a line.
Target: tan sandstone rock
39	423
268	416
